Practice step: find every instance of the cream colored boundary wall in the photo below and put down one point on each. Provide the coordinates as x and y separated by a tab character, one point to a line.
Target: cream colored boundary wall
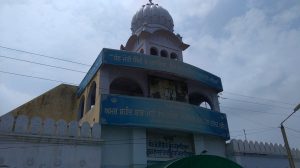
260	155
36	143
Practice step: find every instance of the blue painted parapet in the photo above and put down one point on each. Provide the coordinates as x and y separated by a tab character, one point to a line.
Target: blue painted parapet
149	62
163	114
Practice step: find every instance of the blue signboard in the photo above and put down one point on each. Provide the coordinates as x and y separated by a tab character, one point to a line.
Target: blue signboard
164	114
149	62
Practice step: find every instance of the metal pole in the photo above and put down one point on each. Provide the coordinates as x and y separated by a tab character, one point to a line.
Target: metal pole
286	143
245	134
287	147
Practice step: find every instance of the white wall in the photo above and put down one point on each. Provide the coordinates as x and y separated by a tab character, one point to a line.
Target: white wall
124	147
260	155
36	143
212	145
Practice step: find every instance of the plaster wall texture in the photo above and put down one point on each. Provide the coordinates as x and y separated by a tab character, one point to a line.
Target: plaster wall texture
164	42
205	144
160	40
260	155
57	103
36	143
91	115
124	147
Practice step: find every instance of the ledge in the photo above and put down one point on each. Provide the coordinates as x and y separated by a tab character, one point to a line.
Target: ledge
14	137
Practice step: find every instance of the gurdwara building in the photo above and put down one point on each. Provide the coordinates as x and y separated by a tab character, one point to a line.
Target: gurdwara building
151	106
145	92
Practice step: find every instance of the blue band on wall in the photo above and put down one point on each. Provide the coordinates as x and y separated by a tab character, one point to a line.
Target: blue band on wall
148	62
164	114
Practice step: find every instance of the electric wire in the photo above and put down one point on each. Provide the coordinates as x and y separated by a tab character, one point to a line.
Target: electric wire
36	77
254	111
250	120
250	102
297	131
232	93
226	92
253	129
255	132
59	81
37	63
253	97
42	55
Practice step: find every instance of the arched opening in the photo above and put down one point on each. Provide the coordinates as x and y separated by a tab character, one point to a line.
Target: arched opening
153	51
92	97
125	86
142	51
200	100
174	56
164	53
81	108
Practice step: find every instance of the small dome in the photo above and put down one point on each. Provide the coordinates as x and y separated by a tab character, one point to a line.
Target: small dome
151	16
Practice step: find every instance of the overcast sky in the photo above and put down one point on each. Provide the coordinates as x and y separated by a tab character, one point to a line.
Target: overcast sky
254	46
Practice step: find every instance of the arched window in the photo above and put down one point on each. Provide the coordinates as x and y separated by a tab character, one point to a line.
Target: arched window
125	86
142	51
164	53
174	56
81	108
153	51
200	100
92	96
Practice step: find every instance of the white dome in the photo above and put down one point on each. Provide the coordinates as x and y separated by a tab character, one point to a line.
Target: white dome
151	17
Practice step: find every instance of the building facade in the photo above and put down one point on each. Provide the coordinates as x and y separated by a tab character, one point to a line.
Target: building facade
147	105
144	95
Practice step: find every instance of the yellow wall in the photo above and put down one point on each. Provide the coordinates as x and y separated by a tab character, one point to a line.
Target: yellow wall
92	116
62	102
58	103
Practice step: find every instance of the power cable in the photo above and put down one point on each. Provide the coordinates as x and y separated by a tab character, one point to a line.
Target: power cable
253	97
53	80
256	132
263	104
45	56
32	62
36	77
297	131
294	135
253	121
79	63
254	111
254	129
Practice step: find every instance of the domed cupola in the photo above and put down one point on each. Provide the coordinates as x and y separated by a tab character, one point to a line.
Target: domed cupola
153	33
151	17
